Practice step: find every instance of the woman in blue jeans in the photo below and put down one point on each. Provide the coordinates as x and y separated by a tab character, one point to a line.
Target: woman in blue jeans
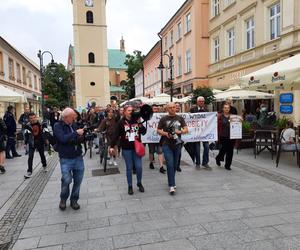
127	131
170	128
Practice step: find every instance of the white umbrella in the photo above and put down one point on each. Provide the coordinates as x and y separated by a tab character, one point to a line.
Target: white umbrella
163	99
216	91
284	72
141	98
237	93
8	95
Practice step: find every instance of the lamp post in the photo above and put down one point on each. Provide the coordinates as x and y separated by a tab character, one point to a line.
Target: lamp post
162	67
53	65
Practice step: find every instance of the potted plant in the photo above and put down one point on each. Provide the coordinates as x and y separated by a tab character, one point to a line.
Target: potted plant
280	123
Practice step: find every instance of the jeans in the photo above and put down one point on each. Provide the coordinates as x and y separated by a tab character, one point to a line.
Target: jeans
40	149
11	146
172	155
71	169
205	156
132	159
227	146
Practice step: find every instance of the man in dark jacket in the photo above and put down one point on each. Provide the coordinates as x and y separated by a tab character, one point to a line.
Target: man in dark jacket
197	145
69	148
34	140
23	120
11	125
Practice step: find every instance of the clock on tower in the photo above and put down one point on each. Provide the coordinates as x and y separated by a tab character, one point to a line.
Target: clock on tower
89	3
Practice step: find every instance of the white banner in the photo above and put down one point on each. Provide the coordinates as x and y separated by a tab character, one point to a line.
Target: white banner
202	127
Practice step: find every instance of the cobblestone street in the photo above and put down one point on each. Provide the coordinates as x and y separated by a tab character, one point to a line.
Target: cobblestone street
212	210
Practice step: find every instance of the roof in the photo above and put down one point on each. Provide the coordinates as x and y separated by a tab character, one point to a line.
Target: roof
116	59
157	45
116	88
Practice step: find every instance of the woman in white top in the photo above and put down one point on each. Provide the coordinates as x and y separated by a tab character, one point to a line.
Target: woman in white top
288	138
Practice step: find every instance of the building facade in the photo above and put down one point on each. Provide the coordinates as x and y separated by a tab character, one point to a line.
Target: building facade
91	57
21	75
152	75
185	36
139	83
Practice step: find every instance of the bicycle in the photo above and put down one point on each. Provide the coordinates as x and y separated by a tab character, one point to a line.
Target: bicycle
103	150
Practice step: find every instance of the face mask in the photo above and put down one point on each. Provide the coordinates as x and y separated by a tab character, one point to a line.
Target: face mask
264	109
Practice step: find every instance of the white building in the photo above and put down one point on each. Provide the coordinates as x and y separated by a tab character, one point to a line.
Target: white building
139	83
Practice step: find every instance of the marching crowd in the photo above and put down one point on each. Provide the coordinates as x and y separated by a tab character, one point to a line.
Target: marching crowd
123	130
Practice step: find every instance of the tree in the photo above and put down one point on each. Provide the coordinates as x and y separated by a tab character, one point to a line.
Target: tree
205	92
134	63
58	86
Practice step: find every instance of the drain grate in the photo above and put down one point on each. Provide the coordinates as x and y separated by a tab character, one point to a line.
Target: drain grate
109	171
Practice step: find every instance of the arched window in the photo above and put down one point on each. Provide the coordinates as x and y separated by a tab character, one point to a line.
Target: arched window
89	17
92	83
91	58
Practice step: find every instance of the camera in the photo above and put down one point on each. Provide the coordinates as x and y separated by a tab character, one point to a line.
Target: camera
89	134
173	135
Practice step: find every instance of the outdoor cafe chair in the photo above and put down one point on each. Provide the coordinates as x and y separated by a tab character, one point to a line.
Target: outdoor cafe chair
281	149
264	139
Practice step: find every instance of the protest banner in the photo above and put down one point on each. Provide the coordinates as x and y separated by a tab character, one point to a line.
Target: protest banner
235	127
202	127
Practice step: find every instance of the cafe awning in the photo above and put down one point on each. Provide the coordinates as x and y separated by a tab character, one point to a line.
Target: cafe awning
237	93
163	99
275	76
8	95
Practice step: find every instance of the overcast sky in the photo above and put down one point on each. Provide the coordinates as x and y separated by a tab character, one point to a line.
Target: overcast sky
30	25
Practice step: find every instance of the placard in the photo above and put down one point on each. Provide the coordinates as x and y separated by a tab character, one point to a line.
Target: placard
236	127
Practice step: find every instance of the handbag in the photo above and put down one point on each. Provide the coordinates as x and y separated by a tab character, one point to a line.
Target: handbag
139	148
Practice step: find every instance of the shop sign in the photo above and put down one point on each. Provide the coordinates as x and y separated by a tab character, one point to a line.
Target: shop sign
286	109
287	98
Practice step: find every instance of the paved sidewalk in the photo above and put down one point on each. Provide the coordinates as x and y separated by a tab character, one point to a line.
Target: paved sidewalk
214	209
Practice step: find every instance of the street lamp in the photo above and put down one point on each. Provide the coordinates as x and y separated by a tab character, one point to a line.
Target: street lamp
162	67
53	66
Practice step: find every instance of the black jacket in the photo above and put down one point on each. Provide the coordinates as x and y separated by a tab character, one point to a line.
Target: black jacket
11	124
196	110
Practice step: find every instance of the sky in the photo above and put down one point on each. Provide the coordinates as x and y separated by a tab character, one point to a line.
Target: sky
30	25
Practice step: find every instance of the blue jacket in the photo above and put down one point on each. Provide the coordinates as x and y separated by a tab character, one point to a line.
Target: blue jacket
11	124
67	140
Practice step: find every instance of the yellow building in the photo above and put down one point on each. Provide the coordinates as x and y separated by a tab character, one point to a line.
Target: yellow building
91	59
248	35
18	73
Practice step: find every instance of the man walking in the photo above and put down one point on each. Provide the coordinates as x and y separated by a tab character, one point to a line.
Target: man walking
197	145
10	122
34	140
170	128
69	148
23	120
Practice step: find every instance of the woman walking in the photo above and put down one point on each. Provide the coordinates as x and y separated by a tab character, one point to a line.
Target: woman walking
226	144
127	131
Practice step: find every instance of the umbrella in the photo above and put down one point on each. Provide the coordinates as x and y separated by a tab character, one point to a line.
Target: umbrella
216	91
237	93
136	99
163	99
8	95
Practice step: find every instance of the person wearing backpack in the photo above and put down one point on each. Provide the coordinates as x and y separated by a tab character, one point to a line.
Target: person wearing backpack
3	133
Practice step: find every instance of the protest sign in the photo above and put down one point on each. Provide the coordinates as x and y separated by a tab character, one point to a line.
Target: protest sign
235	127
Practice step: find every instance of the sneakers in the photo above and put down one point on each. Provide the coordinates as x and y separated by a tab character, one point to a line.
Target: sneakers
151	166
162	170
28	175
2	169
141	188
45	168
227	168
197	166
178	169
17	155
62	205
130	190
115	164
74	205
207	167
110	163
172	190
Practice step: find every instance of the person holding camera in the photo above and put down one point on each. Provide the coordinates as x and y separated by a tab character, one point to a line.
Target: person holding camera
170	128
129	129
69	139
34	140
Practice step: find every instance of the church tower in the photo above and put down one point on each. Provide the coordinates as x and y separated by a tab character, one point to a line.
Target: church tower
91	59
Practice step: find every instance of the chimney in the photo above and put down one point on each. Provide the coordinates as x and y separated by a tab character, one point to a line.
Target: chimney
122	44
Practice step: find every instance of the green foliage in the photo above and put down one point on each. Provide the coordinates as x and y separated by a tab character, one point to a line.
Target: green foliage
281	123
246	126
58	86
205	92
134	63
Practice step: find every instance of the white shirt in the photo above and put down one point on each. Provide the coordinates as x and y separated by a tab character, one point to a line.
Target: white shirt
288	135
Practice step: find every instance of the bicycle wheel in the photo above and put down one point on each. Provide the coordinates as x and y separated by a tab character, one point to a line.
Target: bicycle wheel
105	154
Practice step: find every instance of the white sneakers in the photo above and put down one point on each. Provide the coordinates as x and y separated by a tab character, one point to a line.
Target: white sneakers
115	164
28	175
172	190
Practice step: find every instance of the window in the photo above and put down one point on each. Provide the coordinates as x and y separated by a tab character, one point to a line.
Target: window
35	82
11	69
91	57
188	57
24	75
179	30
18	72
92	84
166	42
179	66
1	63
275	21
231	42
250	33
228	2
171	38
188	22
29	78
89	17
215	7
216	49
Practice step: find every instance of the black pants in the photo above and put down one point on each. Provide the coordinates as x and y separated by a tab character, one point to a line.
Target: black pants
227	146
11	146
40	149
